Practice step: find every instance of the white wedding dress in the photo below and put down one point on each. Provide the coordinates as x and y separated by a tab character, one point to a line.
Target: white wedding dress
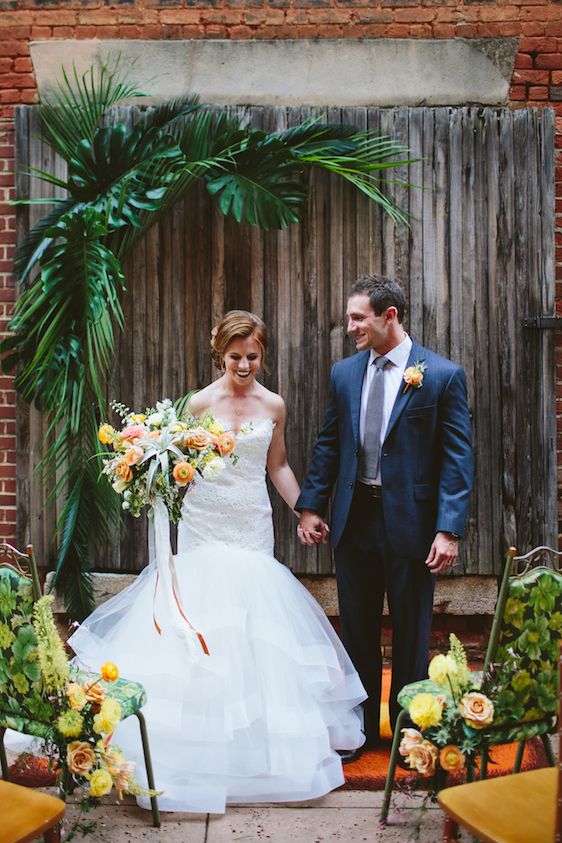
260	718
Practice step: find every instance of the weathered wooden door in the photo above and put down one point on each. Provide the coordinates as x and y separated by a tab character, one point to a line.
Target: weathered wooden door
477	260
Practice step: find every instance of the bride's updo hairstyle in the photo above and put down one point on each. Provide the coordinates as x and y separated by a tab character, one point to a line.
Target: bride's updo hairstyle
237	325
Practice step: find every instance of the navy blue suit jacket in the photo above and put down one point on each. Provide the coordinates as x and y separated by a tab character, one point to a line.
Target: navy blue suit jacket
426	461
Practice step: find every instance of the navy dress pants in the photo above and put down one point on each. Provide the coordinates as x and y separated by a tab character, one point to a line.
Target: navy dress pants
366	567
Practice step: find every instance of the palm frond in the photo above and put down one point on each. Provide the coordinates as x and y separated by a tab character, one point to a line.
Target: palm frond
73	110
33	245
165	113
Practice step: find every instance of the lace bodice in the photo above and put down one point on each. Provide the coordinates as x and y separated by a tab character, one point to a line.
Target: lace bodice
234	508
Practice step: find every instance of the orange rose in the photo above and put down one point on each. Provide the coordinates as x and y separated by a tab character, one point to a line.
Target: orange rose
423	757
76	697
225	443
154	434
80	757
477	710
123	471
451	758
133	455
95	694
109	672
183	473
197	439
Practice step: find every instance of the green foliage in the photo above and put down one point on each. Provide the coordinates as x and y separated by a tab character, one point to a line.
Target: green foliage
120	181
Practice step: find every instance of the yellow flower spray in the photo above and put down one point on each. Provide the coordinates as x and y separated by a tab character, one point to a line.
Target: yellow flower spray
53	662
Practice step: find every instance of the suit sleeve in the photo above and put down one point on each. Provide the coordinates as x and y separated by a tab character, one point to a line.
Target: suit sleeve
324	465
455	482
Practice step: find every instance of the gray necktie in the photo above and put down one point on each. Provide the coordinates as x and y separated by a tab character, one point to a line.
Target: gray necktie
373	422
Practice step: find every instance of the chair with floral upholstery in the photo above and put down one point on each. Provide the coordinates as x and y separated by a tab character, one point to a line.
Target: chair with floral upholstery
24	705
522	653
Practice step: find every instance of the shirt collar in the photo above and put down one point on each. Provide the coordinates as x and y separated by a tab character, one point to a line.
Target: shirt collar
398	355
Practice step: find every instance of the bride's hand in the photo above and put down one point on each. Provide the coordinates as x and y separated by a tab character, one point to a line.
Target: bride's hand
312	529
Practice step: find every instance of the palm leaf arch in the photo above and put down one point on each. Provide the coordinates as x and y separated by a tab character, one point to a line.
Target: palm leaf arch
120	181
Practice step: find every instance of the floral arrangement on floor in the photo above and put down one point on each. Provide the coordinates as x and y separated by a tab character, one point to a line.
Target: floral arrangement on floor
452	722
85	716
159	455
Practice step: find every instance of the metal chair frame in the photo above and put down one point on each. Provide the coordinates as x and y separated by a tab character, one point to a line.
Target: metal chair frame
16	558
491	651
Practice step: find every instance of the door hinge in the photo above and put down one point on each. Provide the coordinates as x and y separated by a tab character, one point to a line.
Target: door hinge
542	322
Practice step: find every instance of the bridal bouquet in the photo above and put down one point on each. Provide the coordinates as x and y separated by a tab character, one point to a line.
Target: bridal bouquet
84	714
157	454
451	722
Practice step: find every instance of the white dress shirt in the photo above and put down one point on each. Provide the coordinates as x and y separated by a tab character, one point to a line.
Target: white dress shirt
393	374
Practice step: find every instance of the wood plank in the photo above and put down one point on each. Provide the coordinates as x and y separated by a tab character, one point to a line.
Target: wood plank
547	377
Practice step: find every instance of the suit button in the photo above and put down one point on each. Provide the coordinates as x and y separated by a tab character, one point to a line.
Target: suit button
356	452
351	485
385	454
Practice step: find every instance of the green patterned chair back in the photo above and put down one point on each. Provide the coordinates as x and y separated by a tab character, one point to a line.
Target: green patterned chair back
528	643
23	703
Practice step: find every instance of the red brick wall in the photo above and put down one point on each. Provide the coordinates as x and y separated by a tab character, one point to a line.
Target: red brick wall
537	81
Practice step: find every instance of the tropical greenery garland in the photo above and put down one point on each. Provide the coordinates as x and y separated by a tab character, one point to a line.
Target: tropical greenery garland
120	181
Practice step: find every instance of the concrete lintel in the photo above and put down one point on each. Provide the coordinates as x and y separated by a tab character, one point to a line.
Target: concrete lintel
339	72
471	595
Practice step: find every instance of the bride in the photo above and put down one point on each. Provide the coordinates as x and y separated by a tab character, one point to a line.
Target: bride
261	717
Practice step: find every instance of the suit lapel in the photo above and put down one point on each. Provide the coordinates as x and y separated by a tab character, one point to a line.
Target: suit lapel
417	354
355	388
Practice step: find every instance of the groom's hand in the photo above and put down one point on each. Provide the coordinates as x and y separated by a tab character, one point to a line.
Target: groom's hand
312	529
443	553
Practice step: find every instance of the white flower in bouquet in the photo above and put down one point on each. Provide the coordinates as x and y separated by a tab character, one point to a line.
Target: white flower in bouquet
213	468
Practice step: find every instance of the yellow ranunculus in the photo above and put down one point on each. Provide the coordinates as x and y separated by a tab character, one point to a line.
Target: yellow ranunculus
106	434
109	672
425	710
100	783
108	717
438	669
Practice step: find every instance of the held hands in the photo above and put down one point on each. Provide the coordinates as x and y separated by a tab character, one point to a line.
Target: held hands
443	553
311	528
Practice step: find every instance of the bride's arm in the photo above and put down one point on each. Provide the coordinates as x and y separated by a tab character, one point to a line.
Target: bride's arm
278	468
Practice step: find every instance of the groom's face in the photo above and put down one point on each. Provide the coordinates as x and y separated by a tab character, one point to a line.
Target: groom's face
364	326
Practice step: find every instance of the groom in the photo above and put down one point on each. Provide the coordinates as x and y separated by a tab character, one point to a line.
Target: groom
397	439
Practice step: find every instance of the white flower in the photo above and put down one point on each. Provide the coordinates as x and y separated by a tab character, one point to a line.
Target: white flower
213	468
125	505
155	419
119	486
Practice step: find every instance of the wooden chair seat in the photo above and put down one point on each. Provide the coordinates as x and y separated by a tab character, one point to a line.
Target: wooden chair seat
520	808
27	814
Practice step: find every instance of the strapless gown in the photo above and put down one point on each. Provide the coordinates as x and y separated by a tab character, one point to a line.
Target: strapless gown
261	717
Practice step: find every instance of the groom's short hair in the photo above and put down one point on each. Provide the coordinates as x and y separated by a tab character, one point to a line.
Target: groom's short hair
382	292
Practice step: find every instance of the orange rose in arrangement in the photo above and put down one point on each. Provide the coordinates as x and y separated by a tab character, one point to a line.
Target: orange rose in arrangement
123	471
81	758
451	758
197	439
183	473
94	693
109	672
225	443
154	434
133	455
477	710
423	757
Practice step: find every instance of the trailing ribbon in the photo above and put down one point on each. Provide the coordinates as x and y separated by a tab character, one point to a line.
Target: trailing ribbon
159	549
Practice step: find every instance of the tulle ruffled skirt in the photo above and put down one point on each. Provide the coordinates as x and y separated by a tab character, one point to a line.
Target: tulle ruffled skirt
259	718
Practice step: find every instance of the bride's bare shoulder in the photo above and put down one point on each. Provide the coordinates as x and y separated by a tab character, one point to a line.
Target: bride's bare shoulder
274	404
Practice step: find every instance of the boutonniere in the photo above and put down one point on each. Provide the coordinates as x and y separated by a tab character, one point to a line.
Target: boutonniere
414	375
